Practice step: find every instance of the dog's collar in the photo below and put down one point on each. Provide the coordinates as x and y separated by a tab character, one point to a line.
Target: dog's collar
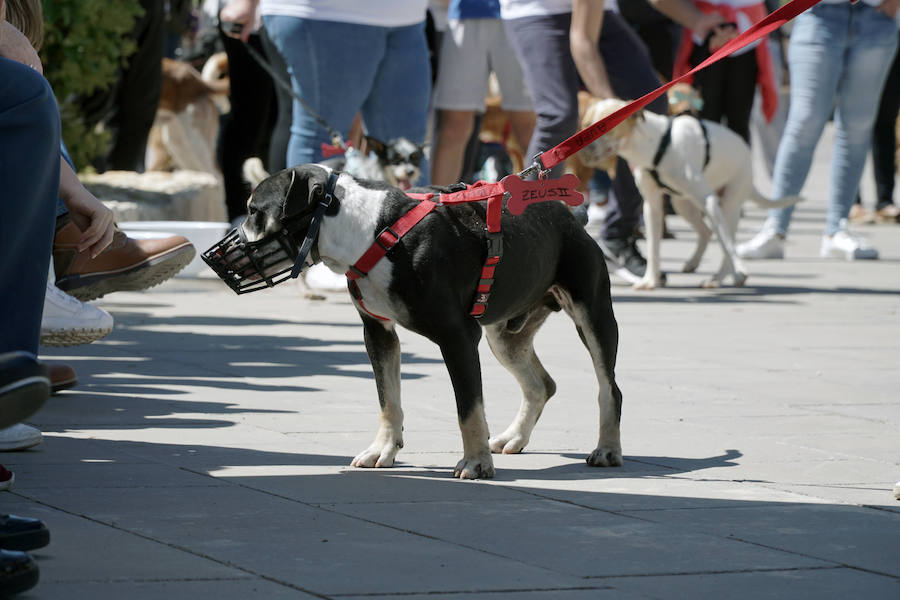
313	232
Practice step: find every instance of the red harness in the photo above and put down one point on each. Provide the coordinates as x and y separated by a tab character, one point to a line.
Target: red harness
520	195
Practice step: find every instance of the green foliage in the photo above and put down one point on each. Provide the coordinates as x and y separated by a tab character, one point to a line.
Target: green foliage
85	43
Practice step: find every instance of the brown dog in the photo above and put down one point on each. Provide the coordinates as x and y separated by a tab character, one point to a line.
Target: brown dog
184	133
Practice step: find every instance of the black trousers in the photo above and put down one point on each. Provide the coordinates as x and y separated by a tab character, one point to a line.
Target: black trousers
128	107
246	131
727	88
884	136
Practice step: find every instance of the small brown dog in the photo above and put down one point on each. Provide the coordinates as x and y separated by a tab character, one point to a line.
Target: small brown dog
184	133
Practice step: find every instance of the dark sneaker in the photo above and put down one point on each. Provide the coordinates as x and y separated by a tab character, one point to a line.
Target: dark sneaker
623	258
18	572
22	533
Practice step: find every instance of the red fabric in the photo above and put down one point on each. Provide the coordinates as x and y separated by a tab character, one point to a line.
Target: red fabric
765	77
552	157
329	150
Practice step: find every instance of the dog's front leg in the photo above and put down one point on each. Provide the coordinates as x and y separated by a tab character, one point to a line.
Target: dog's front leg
383	348
653	221
460	351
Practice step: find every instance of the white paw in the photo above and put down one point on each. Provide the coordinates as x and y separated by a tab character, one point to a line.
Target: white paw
377	455
480	466
740	278
710	283
508	442
605	457
646	283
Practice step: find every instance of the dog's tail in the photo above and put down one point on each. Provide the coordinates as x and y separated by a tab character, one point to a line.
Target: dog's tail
253	171
765	202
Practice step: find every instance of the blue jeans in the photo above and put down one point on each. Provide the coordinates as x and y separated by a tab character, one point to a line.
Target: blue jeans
839	56
29	172
340	69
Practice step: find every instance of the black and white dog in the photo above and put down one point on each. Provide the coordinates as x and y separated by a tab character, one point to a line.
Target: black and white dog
427	283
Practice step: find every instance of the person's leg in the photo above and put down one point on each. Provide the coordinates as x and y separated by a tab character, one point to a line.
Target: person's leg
332	67
516	100
459	92
281	128
453	132
541	45
740	87
631	75
710	84
138	94
884	136
817	46
873	44
246	131
29	170
397	102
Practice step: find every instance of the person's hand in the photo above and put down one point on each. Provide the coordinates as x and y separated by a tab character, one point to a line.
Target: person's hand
706	23
237	18
15	46
89	214
889	7
93	219
721	35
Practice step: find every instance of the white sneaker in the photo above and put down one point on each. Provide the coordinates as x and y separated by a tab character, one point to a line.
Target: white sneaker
19	437
320	277
847	245
69	322
765	244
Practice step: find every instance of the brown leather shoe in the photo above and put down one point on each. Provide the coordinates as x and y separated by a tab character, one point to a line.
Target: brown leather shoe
62	377
126	264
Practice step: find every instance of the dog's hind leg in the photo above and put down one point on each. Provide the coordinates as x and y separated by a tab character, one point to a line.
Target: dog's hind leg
590	307
515	351
459	347
383	348
691	213
731	215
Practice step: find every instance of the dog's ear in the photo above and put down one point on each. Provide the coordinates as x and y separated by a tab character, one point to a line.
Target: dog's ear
305	187
376	146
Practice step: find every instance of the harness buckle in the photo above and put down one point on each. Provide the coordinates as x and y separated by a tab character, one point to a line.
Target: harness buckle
388	244
494	244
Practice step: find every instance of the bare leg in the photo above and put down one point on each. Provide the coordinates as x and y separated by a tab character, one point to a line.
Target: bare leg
454	131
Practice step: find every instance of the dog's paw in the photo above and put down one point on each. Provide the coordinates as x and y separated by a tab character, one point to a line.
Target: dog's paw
508	443
646	283
475	467
710	284
377	455
605	457
740	278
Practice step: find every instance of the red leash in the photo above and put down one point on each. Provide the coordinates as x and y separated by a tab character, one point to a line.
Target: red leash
552	157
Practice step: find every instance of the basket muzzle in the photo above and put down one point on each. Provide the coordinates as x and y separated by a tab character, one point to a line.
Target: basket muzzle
250	266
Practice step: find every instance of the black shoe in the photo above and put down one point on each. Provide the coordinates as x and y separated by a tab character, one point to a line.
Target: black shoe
624	256
18	572
22	533
24	387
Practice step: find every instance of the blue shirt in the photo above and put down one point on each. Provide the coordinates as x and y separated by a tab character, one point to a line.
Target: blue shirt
473	9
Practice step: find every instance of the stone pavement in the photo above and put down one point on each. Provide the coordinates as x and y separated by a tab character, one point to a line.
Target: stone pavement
205	453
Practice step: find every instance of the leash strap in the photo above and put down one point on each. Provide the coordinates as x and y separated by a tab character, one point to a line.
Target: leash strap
554	156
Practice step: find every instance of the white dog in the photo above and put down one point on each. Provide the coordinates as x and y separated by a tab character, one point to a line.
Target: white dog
703	166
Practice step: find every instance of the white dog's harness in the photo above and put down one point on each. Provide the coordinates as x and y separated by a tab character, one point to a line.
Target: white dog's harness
664	144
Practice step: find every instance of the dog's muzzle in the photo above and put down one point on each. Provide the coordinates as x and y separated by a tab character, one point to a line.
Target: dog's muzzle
250	266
